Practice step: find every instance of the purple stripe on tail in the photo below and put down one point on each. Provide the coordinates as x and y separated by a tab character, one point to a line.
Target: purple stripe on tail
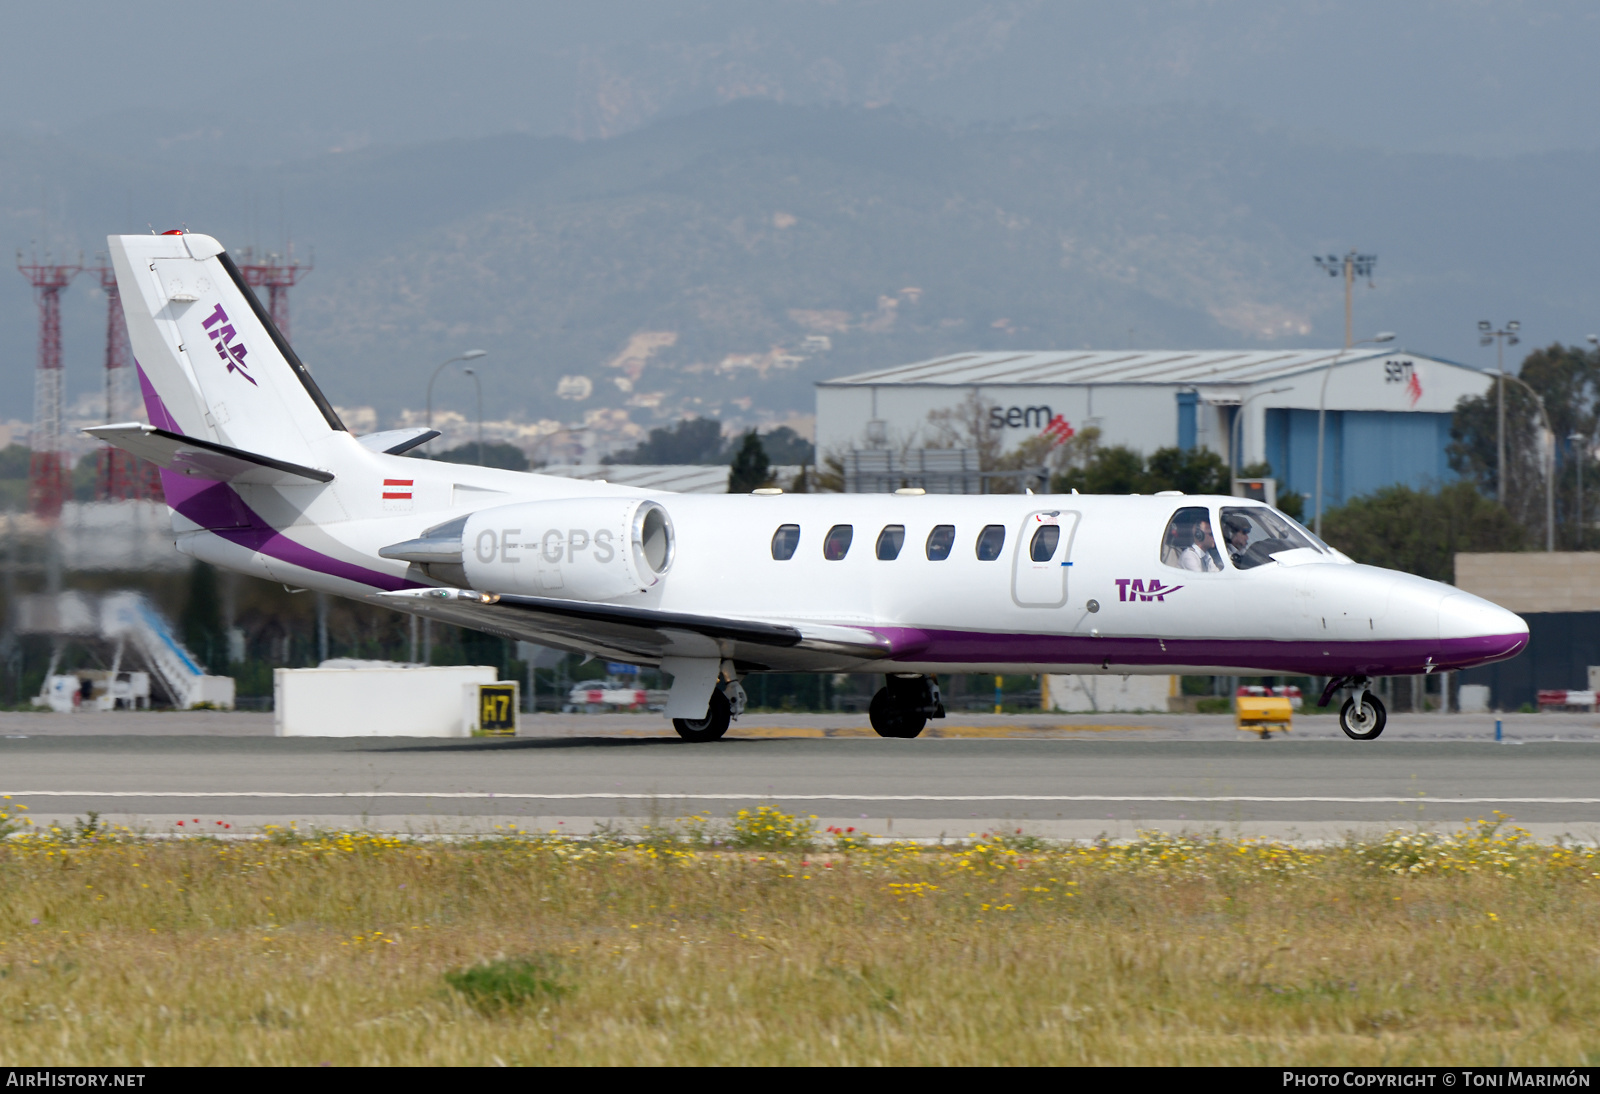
218	508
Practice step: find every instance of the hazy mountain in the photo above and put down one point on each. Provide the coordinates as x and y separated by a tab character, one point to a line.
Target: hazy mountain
297	77
690	260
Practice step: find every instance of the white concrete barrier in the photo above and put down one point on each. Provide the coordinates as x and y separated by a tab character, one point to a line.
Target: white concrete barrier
1087	694
380	701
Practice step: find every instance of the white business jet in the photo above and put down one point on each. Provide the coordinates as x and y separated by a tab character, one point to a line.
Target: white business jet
263	478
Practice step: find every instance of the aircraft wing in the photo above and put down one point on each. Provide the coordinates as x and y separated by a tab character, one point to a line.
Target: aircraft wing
204	459
622	633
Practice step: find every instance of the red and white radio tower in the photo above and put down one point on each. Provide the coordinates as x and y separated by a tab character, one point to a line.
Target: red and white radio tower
278	274
122	476
47	472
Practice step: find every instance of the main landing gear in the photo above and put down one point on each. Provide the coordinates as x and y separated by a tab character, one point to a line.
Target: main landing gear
727	703
1362	717
904	704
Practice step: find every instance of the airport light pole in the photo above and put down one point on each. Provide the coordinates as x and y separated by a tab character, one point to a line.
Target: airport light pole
1576	440
1583	456
427	624
472	372
1322	411
1238	435
1548	443
1507	335
1352	266
470	355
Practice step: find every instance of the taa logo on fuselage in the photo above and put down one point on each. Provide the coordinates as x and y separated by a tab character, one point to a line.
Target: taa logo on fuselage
222	336
1134	588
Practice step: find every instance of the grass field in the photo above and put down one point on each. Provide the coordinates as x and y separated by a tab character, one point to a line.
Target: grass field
762	941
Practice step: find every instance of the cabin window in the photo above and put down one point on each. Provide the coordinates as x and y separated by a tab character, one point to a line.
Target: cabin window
1252	535
1042	548
990	542
784	542
940	541
837	543
1191	542
890	540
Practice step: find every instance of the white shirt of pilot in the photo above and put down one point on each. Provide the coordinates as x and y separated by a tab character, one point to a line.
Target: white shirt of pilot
1194	557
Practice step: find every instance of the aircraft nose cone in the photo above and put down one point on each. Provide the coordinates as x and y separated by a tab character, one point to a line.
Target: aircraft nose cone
1462	615
1479	628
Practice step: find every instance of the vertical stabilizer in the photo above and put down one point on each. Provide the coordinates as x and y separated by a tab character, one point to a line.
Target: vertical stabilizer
211	363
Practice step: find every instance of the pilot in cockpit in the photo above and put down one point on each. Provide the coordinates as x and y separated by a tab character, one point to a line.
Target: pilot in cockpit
1201	554
1237	532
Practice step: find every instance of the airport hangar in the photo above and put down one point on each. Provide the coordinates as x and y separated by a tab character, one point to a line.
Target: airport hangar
1387	413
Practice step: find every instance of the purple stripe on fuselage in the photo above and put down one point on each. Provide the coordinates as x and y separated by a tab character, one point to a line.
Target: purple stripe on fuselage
218	508
1397	657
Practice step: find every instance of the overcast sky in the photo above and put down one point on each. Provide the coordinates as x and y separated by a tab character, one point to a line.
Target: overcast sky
294	78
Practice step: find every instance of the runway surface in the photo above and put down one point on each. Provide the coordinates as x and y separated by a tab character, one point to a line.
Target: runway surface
1049	781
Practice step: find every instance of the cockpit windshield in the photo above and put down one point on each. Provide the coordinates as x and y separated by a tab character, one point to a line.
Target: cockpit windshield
1316	540
1252	535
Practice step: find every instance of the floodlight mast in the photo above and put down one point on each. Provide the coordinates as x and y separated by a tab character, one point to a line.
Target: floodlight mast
1507	335
1583	455
1352	266
1576	439
1547	441
1322	413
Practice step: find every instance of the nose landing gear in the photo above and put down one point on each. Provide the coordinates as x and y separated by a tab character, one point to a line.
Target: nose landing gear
904	704
1362	717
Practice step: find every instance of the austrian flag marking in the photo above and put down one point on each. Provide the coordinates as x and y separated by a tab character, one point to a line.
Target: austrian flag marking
397	489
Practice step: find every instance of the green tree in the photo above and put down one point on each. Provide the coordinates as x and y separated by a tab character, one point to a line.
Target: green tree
1121	470
495	454
750	466
693	440
86	477
784	446
1114	470
200	622
1193	470
14	461
1568	379
1420	532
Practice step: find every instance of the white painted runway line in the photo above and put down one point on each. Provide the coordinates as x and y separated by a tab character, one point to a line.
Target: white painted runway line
779	796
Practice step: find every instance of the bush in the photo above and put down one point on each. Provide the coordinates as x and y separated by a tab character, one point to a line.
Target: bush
770	829
508	983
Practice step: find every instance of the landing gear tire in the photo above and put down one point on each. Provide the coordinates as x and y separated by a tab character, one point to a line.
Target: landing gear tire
712	726
1366	723
890	718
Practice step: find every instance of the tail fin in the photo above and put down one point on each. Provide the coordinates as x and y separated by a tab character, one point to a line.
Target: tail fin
211	363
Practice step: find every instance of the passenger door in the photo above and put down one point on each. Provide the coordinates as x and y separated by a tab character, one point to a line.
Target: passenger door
1041	559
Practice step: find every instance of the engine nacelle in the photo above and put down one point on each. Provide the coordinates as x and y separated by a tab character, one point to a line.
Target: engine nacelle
573	548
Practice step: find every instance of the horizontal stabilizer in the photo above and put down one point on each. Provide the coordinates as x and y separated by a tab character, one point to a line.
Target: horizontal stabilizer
204	459
397	441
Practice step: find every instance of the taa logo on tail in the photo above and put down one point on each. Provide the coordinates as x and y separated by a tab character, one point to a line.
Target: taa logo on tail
231	352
